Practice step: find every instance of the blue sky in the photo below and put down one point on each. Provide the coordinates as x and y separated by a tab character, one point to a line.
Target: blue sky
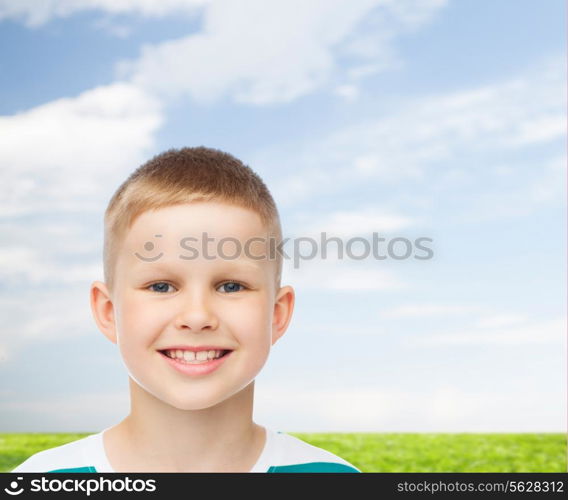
443	119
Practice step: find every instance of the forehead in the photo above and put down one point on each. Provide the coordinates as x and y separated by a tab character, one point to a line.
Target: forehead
215	218
165	230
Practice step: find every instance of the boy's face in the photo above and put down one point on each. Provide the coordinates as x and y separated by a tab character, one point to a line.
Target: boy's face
163	303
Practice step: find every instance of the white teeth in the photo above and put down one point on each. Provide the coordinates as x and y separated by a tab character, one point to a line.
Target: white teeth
193	357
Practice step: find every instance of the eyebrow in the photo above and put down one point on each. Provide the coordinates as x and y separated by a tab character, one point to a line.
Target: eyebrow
236	264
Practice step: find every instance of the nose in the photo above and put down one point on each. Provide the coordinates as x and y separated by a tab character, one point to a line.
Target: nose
196	314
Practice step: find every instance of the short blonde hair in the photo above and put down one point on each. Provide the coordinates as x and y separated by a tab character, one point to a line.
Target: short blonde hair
180	176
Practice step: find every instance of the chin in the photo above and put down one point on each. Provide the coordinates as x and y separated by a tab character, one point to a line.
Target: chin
194	403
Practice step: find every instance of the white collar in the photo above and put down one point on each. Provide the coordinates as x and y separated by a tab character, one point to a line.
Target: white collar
266	458
95	451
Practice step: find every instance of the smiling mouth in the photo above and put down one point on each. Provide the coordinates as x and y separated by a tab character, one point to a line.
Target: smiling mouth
194	357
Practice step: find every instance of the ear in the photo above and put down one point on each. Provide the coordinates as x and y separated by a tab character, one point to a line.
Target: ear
103	310
283	308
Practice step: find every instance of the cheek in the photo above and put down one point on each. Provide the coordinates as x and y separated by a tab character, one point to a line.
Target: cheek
252	323
137	324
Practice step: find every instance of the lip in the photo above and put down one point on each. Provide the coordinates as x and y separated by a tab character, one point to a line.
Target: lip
205	368
195	348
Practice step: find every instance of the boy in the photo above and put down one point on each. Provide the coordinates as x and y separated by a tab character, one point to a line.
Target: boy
194	323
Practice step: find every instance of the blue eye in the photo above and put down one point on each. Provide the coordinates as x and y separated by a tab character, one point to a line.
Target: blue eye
231	287
160	287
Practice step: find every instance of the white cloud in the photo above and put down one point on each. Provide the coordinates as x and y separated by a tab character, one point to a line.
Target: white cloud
17	259
54	134
334	274
38	12
346	223
516	113
49	324
40	268
329	329
440	409
61	161
540	129
44	314
452	144
294	188
4	353
360	71
279	50
545	186
361	280
67	153
372	41
87	412
500	320
428	310
484	325
51	313
349	92
538	332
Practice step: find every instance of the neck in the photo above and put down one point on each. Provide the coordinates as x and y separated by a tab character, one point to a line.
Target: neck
160	437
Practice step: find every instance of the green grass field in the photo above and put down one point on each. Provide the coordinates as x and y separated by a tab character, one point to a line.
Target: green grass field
383	452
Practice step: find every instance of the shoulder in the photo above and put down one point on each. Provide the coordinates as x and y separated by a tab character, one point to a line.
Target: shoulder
295	455
70	457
